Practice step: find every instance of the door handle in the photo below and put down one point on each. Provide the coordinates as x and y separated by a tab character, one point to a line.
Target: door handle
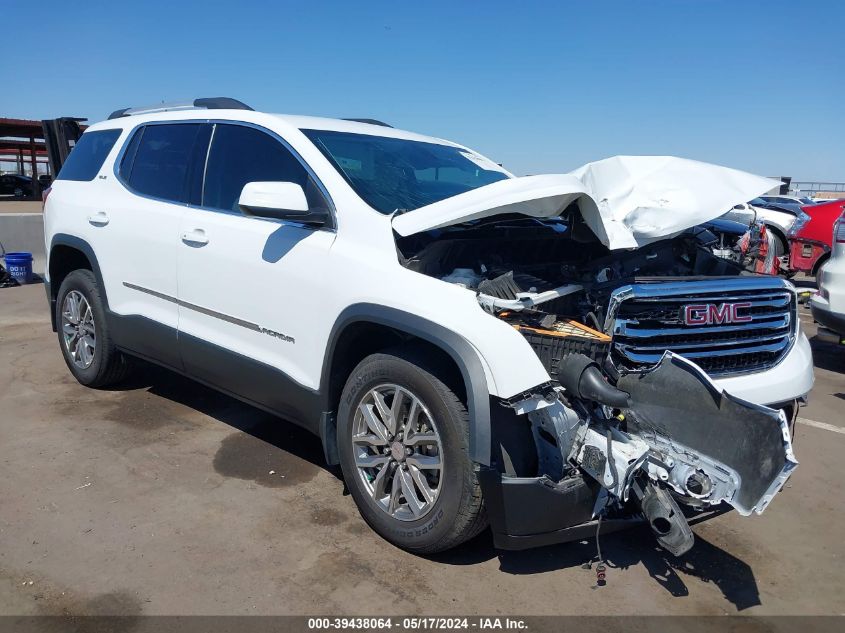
196	237
100	218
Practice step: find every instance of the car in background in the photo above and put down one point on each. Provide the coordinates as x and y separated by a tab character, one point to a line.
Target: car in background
751	246
788	201
15	185
45	180
779	220
828	304
810	240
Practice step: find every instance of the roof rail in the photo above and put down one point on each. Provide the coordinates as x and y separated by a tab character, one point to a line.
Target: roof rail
370	121
208	103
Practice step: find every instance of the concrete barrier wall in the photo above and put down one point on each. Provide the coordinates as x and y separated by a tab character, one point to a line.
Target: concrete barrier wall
24	232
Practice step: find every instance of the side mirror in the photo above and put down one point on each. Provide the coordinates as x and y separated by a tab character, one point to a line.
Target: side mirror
280	201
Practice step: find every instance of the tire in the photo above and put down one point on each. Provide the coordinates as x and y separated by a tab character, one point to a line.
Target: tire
818	265
103	366
456	514
779	243
780	247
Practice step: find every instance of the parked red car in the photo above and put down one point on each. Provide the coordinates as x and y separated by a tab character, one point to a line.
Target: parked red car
810	241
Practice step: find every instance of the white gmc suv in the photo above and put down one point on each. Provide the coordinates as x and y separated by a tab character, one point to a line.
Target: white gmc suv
543	354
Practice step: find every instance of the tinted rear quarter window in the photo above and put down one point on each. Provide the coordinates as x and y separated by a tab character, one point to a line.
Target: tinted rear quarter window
88	155
161	159
129	155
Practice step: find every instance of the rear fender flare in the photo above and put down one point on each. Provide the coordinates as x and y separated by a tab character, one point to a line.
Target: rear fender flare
77	243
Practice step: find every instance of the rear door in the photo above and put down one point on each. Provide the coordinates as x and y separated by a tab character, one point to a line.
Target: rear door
141	224
245	283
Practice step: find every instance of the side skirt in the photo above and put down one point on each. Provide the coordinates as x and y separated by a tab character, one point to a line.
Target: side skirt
238	376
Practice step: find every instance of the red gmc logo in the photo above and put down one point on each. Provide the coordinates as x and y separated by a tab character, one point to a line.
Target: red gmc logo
713	314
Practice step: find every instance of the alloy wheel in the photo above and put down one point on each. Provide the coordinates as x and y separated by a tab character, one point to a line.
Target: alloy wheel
398	452
78	330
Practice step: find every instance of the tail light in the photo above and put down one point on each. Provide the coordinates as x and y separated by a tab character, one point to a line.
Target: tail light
839	229
800	220
44	195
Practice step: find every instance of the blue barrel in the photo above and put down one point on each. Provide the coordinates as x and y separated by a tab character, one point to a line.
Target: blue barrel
19	266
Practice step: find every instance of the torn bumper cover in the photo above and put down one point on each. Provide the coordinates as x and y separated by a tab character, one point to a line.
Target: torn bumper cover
744	449
670	447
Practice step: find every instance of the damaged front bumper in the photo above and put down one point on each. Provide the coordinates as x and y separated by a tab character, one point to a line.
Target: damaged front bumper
664	446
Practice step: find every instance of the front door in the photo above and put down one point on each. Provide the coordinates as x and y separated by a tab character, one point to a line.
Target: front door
244	282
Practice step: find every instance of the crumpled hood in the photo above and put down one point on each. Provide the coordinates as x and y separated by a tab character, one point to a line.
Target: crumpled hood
628	201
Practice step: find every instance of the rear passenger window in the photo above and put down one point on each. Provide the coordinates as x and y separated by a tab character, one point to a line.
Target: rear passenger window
88	155
241	154
160	163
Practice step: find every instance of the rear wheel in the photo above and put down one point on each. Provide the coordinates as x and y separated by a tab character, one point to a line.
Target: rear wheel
403	439
84	337
778	245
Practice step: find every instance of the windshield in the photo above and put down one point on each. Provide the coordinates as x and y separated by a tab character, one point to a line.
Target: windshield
397	174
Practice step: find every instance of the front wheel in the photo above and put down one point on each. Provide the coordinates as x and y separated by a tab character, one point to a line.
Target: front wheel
403	439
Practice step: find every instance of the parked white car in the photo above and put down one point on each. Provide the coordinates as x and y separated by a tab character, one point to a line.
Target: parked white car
828	304
799	200
540	353
780	221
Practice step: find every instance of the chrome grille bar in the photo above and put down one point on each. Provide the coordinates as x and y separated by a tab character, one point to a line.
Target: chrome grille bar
645	319
626	328
654	358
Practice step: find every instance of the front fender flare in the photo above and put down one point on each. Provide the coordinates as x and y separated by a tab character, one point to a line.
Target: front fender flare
459	350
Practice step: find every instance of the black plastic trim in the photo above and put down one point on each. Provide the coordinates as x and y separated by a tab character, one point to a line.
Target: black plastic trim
238	376
528	512
328	436
465	357
830	320
148	339
371	122
221	103
252	381
119	113
51	300
71	241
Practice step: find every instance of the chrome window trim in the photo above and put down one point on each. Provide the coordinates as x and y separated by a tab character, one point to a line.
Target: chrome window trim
205	164
699	290
214	122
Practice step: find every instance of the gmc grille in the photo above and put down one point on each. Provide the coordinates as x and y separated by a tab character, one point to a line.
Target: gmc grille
646	319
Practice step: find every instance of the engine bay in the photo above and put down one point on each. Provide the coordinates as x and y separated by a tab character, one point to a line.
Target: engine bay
552	279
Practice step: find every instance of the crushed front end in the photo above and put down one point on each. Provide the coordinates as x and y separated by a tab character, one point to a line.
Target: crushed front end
674	375
632	427
664	445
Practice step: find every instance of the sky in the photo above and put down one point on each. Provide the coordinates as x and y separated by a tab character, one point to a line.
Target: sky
541	87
